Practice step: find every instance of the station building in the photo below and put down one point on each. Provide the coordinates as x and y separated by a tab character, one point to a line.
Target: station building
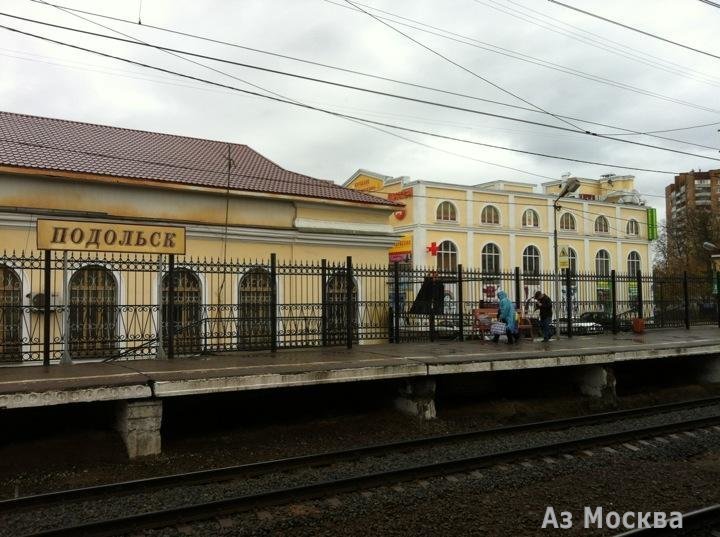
500	225
234	204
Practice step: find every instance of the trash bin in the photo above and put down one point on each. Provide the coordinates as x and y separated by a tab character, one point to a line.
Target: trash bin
638	325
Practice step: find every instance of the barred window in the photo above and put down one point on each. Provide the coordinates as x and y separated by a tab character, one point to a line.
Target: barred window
602	263
567	222
490	215
633	228
187	310
446	212
93	312
601	225
447	257
531	260
490	259
10	315
254	303
530	218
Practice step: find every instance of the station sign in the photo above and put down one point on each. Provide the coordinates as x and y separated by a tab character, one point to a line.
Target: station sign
85	236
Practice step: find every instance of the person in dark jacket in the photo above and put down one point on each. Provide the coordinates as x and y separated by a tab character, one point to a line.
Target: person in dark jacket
544	304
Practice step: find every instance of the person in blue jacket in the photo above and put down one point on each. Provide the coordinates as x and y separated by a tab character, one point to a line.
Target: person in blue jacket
506	314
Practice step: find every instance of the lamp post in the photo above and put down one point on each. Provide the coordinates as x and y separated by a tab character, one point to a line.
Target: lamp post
570	186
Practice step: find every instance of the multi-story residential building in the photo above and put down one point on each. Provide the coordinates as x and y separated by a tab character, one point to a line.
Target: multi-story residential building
499	225
692	190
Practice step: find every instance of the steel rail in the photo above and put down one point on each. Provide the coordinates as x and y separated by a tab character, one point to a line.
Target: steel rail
326	458
208	510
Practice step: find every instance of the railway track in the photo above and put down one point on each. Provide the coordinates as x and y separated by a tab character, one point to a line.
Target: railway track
211	509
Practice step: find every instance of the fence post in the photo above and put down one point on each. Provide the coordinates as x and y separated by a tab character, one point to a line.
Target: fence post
568	302
687	300
461	335
160	352
324	305
46	308
432	309
517	288
171	307
65	359
613	296
396	301
273	303
717	295
639	294
349	303
662	304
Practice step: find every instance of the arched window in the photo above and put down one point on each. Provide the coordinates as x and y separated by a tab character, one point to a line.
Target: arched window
490	259
602	263
254	303
447	257
633	228
530	218
531	260
572	259
187	310
633	263
601	225
567	222
490	215
10	315
335	310
93	312
446	212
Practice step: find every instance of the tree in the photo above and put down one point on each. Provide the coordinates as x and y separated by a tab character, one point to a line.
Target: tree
680	243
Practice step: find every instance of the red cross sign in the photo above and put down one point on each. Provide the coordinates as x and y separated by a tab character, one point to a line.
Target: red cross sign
433	248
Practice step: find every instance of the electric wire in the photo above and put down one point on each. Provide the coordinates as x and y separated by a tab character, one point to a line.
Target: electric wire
632	28
469	41
603	43
332	113
378	77
175	52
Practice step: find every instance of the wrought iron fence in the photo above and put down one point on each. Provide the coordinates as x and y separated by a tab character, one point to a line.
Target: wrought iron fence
114	306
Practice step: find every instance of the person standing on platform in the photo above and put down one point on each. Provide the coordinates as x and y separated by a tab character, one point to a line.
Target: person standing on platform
507	315
544	304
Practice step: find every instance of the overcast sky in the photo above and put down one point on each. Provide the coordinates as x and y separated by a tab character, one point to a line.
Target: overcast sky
47	79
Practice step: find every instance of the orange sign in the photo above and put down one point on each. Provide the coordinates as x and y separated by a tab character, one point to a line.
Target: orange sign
403	194
367	184
403	246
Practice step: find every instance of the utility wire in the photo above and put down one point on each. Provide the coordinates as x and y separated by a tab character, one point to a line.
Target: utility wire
713	4
330	112
598	41
458	65
386	79
175	52
472	42
636	30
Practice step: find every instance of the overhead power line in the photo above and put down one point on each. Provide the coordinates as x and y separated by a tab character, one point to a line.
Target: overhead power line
176	52
330	112
708	2
632	28
459	65
653	133
472	42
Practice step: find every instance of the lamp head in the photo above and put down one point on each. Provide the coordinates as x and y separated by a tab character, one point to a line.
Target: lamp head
570	186
709	246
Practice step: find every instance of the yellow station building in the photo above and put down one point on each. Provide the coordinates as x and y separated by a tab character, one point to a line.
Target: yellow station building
237	208
500	225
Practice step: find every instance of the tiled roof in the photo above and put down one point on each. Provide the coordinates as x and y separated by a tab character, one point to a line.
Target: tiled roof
60	145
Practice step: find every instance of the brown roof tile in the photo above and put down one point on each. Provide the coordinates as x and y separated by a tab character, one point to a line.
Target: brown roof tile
60	145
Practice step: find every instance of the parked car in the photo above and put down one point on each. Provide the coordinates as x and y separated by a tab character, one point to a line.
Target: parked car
603	318
580	327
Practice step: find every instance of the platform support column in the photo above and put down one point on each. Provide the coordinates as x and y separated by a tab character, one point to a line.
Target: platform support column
710	370
598	382
417	397
138	423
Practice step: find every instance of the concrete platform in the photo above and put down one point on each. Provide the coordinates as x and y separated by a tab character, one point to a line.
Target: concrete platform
32	386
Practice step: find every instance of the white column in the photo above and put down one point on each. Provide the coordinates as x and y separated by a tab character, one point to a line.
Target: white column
513	256
587	266
619	234
419	233
511	226
470	258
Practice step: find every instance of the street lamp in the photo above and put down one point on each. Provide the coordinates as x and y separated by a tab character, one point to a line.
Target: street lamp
570	186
